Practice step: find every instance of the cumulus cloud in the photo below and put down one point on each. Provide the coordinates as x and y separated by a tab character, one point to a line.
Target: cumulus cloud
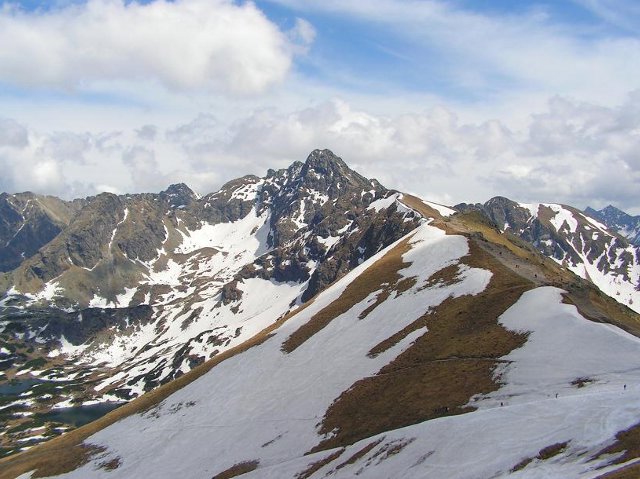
214	45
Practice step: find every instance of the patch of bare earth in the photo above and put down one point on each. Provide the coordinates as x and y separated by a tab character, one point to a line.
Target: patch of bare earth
238	470
628	443
443	369
359	454
544	454
316	466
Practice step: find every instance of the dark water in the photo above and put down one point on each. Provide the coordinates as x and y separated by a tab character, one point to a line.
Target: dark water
80	415
16	387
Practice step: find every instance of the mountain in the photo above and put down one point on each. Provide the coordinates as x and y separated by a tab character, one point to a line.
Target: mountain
138	289
618	221
573	239
455	350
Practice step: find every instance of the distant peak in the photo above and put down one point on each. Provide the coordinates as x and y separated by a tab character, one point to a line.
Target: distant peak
611	209
179	194
324	159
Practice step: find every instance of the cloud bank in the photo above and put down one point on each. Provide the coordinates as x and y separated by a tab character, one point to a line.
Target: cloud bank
573	152
185	45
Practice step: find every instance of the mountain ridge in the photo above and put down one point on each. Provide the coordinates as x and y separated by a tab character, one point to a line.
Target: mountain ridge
618	221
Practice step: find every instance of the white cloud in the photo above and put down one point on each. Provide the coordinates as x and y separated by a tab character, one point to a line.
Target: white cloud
496	55
147	132
302	34
572	152
214	45
13	134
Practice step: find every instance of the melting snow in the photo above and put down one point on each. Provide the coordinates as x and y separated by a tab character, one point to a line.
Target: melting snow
443	210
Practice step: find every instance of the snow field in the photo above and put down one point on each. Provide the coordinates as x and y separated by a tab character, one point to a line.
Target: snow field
267	396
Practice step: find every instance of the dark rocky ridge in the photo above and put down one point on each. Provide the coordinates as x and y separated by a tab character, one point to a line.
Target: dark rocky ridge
573	246
618	221
28	222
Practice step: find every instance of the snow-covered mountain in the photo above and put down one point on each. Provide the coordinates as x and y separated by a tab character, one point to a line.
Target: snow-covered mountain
573	239
455	351
139	289
618	221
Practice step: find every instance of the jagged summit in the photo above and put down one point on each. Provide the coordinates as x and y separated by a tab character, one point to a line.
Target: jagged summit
618	221
179	195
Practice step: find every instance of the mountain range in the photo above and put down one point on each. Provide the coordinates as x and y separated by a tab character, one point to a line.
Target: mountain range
312	323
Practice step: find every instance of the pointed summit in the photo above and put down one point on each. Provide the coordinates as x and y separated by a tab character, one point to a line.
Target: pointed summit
178	195
335	172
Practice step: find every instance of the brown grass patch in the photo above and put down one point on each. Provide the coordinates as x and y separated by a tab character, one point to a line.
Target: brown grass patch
631	471
316	466
418	205
627	442
544	454
391	449
441	371
238	469
446	276
384	271
596	306
581	382
111	465
359	454
76	456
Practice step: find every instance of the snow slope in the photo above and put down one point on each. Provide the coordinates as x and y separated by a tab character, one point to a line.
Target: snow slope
264	406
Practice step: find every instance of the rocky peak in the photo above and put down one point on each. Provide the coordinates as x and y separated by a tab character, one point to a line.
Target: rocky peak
618	221
325	165
179	195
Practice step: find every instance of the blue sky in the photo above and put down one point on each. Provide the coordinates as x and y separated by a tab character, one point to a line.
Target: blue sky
453	100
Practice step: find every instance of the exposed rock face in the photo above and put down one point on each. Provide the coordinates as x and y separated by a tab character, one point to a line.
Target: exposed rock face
573	239
618	221
179	196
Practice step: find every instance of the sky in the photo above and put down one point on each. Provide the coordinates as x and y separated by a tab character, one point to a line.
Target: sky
455	101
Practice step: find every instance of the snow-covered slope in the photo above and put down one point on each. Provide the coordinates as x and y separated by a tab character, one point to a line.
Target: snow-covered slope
430	359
